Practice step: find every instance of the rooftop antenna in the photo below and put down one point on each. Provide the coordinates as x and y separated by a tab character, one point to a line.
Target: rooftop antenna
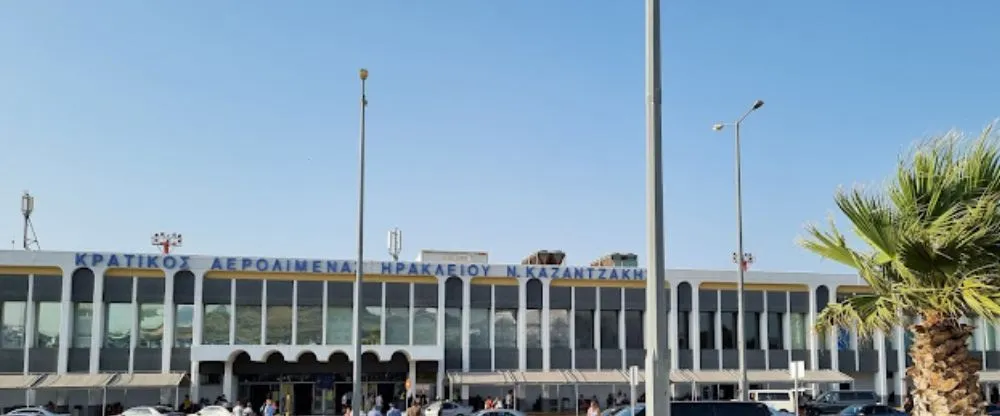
395	243
30	239
167	240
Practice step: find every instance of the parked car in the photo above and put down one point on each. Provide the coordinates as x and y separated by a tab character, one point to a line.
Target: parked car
151	411
871	410
499	412
612	411
33	411
834	402
776	412
706	409
212	411
992	410
448	408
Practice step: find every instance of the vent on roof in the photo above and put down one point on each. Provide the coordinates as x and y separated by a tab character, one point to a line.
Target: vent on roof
617	260
545	257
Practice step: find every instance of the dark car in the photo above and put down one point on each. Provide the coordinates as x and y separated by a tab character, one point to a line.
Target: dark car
992	410
706	409
834	402
871	410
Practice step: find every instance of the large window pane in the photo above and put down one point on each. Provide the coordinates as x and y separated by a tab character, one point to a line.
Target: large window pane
453	328
184	326
310	325
338	325
683	330
583	328
728	330
843	339
150	326
47	322
12	314
397	326
634	330
797	323
118	325
248	324
505	323
609	330
559	328
706	325
991	337
425	326
371	325
83	316
215	325
479	328
751	330
775	331
533	323
279	325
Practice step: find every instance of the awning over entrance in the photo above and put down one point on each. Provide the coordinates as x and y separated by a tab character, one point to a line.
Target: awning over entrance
149	380
621	377
989	376
18	381
75	381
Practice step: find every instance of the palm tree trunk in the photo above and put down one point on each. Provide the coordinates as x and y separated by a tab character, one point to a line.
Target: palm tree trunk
945	376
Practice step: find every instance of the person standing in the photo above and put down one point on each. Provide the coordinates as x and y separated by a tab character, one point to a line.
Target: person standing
393	411
238	409
595	409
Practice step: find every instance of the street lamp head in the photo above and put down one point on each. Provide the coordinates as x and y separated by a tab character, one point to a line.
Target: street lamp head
757	104
718	126
363	73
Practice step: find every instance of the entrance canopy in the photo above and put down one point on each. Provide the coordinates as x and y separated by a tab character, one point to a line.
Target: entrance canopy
604	377
18	381
149	380
75	381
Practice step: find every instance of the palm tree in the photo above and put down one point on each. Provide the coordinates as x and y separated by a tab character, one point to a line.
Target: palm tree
931	241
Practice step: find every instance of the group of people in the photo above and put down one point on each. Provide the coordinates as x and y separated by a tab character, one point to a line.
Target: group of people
413	410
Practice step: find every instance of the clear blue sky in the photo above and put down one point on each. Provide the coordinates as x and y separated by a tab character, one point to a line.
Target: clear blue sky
505	126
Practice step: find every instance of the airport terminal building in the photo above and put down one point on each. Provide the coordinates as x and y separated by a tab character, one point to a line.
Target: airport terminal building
134	326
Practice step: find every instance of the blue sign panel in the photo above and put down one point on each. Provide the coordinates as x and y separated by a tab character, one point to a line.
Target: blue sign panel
133	261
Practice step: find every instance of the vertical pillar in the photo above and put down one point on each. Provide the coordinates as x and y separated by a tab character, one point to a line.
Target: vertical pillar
199	314
97	324
169	323
672	326
439	390
522	324
195	382
597	326
572	328
546	339
881	374
228	380
66	318
466	306
29	322
133	340
325	318
295	312
263	315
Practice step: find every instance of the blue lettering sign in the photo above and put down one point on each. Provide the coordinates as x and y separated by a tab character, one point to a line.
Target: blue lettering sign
132	261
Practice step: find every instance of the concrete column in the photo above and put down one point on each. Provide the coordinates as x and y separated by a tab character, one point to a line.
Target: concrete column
133	340
169	321
199	315
881	374
522	324
66	318
29	323
439	391
228	380
466	305
295	312
97	323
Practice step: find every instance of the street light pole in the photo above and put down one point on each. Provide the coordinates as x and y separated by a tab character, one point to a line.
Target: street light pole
741	261
356	397
657	373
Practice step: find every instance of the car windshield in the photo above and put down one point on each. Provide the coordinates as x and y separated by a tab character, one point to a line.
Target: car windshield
627	410
851	410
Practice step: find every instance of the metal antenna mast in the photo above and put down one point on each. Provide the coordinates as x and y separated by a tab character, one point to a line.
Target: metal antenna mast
27	208
395	243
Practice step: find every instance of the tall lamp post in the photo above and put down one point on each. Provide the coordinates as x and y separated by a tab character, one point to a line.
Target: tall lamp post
743	259
356	397
657	372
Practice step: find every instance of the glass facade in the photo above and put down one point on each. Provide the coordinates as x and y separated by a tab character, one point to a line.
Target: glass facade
338	325
371	325
634	330
706	325
184	326
775	331
728	330
12	315
533	324
309	325
118	325
215	325
453	328
684	330
397	326
609	330
248	324
479	328
150	326
799	330
583	326
47	320
425	323
751	330
559	328
278	330
83	318
505	324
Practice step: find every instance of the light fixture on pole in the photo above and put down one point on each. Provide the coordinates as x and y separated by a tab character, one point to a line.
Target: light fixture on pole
167	241
356	397
656	369
743	261
395	243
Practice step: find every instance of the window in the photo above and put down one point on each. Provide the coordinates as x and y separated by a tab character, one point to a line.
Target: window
609	330
309	325
278	330
843	339
248	321
47	320
533	323
425	323
683	330
479	328
397	326
150	326
706	326
505	325
12	314
635	330
453	328
184	326
215	325
583	326
559	328
797	328
371	325
775	333
991	337
751	330
728	330
118	325
339	330
83	315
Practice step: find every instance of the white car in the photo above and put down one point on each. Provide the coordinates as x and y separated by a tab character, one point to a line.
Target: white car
33	411
151	411
212	411
500	412
446	408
